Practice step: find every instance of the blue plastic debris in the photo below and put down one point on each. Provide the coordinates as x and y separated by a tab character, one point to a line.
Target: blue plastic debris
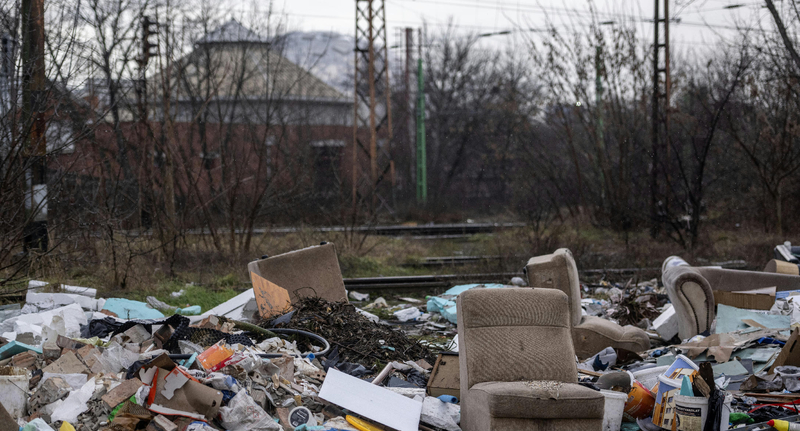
456	290
127	309
13	348
448	399
446	304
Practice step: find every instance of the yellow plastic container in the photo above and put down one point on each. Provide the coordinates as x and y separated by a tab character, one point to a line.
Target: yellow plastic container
362	425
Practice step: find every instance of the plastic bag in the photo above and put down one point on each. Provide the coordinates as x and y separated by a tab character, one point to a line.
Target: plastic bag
74	404
243	414
36	425
790	376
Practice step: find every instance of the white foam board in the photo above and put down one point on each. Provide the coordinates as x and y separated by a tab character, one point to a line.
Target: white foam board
373	402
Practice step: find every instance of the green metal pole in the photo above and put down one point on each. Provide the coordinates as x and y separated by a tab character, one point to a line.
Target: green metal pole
422	166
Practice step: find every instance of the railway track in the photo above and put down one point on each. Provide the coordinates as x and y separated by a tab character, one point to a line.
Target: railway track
444	281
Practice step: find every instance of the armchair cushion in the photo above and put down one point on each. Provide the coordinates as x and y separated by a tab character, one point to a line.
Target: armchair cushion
595	334
589	334
537	400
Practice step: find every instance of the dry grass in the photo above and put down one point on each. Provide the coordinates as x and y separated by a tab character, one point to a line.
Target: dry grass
213	276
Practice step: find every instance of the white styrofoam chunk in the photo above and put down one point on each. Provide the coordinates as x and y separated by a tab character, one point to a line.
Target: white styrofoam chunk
667	323
371	401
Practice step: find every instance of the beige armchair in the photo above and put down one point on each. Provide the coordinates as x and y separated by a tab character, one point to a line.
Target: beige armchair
589	334
690	290
517	364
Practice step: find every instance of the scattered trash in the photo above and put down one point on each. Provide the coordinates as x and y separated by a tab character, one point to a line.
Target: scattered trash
358	296
293	353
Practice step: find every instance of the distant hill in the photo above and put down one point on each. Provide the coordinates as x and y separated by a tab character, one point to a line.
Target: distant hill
328	55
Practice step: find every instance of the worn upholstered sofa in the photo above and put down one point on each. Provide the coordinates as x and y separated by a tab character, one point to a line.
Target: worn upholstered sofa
517	365
589	334
690	290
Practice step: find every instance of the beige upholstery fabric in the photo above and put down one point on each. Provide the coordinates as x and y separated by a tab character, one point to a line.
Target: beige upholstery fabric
529	400
690	290
734	280
595	334
589	334
312	271
557	271
514	345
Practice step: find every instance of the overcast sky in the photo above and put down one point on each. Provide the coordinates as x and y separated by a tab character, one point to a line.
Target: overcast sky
702	22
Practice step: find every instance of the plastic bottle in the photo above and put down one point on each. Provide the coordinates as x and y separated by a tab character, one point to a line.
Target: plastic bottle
784	425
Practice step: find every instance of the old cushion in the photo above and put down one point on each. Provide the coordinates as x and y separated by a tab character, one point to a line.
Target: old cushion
595	334
538	400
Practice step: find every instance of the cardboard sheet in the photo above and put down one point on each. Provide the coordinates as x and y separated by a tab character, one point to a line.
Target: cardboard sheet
720	346
730	319
373	402
190	399
756	299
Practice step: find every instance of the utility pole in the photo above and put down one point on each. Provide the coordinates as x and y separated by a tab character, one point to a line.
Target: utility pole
660	152
408	107
33	111
371	50
422	163
149	28
599	126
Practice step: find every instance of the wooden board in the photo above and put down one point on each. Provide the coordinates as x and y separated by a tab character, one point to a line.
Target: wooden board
445	377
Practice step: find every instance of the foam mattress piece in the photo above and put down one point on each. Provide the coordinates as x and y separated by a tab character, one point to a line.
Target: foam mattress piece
308	272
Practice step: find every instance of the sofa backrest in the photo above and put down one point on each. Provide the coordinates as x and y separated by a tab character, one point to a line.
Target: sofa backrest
558	271
514	334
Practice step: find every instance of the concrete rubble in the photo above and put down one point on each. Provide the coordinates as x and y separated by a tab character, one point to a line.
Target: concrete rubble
69	360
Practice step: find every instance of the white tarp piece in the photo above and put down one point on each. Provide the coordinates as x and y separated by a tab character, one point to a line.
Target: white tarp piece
371	401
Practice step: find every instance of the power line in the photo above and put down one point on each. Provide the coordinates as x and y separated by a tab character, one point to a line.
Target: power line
580	13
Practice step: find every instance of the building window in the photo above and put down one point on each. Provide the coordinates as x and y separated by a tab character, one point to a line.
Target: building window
327	158
60	137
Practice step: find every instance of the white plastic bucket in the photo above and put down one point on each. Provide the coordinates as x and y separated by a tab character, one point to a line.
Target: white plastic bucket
14	391
691	412
649	376
615	405
680	362
665	385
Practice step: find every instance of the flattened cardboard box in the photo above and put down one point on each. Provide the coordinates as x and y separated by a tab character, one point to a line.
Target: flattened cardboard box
756	299
790	353
189	399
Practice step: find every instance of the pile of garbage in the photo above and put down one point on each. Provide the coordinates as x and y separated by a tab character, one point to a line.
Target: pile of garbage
299	352
69	361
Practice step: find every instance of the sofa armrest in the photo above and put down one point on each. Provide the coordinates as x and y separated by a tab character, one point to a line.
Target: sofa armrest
691	295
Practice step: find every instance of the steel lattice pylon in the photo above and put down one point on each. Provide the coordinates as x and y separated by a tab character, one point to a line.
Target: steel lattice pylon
373	168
